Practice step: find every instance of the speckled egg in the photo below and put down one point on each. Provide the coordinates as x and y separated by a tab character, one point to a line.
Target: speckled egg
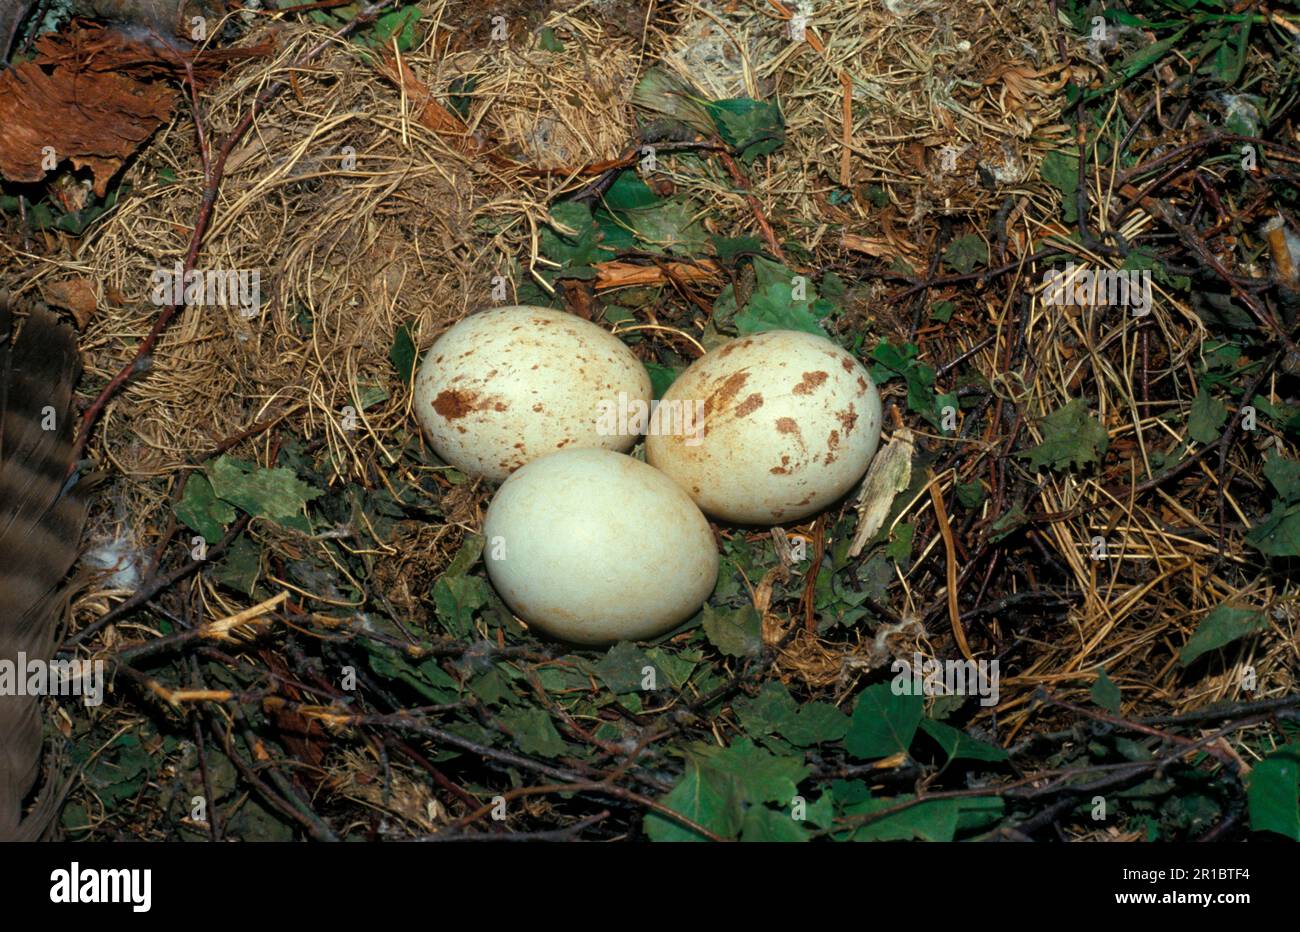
788	422
505	386
593	547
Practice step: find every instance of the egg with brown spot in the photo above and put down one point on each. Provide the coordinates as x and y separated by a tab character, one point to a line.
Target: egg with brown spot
507	385
790	422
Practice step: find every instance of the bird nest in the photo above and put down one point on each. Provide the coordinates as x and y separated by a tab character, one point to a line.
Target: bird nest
385	192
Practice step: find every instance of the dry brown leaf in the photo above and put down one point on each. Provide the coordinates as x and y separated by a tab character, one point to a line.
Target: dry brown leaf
76	295
92	96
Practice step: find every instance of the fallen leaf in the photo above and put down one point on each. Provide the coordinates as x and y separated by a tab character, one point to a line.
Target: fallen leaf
76	295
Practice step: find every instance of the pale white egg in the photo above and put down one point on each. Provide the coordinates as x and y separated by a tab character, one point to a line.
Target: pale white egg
768	428
594	547
505	386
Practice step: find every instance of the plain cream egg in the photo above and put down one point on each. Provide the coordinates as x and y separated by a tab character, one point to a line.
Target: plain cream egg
505	386
594	547
788	423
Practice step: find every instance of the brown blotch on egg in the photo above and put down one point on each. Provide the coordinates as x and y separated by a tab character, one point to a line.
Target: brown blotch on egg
726	391
454	403
749	405
808	384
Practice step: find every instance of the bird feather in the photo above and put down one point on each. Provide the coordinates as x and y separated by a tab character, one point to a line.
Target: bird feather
41	518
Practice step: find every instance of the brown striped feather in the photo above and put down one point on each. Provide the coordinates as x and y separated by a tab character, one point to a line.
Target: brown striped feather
40	528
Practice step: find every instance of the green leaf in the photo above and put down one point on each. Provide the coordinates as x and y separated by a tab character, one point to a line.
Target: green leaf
1207	417
932	820
957	744
773	306
768	712
763	777
428	679
533	731
663	92
492	687
751	127
942	311
979	813
1061	171
548	41
1071	435
970	494
848	792
966	252
1287	417
736	633
667	226
1273	793
883	723
899	548
707	796
400	23
574	239
241	565
1140	61
728	248
1105	693
460	92
629	192
1141	260
891	361
275	493
661	377
762	823
370	395
402	354
1220	627
833	287
1278	535
455	599
815	723
471	548
1284	475
718	785
200	510
677	668
621	667
121	771
1230	59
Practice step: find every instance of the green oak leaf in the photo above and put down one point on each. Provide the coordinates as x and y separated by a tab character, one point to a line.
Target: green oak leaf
276	493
